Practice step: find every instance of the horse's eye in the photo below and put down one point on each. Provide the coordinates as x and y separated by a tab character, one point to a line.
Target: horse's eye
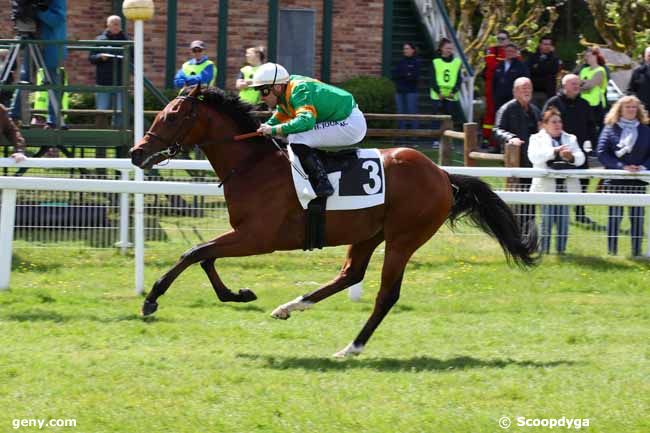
171	118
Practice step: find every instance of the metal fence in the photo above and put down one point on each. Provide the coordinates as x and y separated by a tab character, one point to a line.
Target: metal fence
69	205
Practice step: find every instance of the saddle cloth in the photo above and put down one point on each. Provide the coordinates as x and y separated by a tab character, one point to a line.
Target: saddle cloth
358	180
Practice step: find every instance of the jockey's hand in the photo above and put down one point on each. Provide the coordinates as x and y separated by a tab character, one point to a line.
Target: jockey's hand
19	157
265	129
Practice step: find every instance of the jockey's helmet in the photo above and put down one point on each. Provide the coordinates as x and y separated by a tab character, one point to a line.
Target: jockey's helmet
270	74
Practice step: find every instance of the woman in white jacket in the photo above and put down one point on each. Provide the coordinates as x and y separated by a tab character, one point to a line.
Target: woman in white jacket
552	148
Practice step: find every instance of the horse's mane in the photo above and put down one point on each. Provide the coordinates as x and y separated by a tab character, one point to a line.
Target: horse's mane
238	110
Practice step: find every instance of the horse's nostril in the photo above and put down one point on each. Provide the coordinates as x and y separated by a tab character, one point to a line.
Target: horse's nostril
136	156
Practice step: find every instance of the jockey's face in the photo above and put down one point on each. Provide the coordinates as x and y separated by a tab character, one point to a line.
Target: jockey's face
270	95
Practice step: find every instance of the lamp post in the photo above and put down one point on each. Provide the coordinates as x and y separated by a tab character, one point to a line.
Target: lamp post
138	11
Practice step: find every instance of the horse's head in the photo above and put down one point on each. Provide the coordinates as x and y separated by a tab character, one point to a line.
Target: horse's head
174	129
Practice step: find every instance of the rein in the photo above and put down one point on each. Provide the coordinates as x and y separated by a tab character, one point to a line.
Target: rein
172	145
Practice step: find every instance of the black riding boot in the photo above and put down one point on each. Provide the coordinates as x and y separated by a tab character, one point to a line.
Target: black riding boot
315	169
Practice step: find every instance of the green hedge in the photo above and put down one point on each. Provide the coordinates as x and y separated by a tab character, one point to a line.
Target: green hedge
373	94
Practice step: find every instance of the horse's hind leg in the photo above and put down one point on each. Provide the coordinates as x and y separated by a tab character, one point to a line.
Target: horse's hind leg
398	253
353	271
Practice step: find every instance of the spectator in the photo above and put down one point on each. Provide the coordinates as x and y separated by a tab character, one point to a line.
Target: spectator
544	67
109	69
640	82
12	134
197	70
51	26
5	95
553	148
505	75
578	119
446	82
625	144
493	56
516	121
254	58
593	85
405	76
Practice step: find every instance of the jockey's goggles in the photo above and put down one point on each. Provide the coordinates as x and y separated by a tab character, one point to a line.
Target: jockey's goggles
265	90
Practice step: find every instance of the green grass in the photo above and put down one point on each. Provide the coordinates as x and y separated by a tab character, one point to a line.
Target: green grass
470	340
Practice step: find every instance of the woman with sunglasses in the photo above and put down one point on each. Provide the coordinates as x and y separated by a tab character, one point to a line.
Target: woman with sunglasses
311	114
196	70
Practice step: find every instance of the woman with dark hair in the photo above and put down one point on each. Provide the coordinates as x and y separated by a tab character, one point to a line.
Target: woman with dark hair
552	148
593	83
624	144
446	81
405	76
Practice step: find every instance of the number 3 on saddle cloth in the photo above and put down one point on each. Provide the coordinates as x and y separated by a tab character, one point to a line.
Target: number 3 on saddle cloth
357	176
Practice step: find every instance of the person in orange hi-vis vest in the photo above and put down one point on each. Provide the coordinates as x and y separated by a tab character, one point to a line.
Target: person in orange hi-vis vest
493	56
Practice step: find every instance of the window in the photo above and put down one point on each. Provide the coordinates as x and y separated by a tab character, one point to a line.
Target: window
296	40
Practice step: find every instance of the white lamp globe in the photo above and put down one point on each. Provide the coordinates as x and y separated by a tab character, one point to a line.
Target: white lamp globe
138	9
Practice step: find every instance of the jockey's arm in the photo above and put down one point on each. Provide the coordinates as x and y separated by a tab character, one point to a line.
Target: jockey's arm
305	112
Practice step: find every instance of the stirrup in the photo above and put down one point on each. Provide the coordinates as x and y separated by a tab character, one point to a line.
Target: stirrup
323	188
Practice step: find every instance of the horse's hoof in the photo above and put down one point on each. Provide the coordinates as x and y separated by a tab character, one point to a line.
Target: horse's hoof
281	313
148	308
349	351
246	295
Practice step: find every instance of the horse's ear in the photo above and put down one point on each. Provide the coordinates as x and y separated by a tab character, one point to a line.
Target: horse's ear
196	90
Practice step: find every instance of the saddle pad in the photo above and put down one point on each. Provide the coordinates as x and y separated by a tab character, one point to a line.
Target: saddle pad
360	184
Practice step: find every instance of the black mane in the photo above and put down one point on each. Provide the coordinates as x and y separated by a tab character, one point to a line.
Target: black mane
238	110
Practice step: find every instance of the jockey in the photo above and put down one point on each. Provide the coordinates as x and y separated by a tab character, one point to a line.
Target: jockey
311	114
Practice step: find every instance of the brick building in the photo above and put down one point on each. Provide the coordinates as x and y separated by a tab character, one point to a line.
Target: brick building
329	39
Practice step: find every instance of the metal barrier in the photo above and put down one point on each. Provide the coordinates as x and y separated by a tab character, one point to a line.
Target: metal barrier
124	187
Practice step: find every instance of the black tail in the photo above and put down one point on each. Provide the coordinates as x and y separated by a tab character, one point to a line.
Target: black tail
475	198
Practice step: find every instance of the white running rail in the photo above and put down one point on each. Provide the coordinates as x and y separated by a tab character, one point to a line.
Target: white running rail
10	185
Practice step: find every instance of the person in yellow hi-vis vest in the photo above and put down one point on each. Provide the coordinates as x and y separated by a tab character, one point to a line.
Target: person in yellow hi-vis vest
196	70
254	58
446	82
42	98
593	84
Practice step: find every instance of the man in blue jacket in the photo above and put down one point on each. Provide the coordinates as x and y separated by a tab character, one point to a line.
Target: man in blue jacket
196	70
505	75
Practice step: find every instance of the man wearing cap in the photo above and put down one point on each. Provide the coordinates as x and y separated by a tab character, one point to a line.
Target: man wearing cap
311	114
197	70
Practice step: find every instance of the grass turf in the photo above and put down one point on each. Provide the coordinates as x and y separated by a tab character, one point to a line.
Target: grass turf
471	340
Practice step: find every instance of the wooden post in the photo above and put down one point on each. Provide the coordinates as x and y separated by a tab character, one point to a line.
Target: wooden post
444	144
445	150
470	143
511	159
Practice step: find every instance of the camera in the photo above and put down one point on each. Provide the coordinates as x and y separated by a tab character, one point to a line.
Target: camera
23	14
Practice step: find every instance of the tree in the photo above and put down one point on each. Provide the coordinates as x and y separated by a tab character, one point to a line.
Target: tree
623	24
477	21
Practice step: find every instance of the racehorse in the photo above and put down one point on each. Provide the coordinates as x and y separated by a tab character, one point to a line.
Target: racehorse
266	216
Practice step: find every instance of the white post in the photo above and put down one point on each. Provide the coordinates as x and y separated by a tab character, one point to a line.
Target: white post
138	133
7	220
647	230
124	216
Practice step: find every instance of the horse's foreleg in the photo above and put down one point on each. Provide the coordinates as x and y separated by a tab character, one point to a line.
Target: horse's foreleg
230	244
353	271
224	293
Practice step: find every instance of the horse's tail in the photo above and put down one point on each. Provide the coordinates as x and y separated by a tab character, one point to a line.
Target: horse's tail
475	198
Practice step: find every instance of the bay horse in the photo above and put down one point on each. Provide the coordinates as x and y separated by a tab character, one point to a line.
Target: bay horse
265	214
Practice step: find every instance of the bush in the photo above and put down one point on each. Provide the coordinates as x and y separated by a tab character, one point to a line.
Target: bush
373	94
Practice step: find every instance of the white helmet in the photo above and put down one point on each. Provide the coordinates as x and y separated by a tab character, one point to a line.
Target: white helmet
269	74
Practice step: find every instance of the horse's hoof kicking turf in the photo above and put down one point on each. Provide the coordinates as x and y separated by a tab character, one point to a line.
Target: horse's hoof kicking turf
148	308
246	295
